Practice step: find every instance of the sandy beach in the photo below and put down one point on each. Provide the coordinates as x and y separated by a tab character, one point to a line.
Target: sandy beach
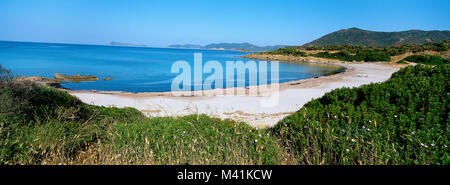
292	96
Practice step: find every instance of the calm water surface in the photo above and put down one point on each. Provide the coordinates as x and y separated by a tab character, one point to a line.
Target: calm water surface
133	69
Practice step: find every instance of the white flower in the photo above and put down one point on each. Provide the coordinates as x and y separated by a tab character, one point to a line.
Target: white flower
260	135
184	132
445	146
120	155
335	116
348	150
395	116
364	127
421	144
368	129
370	121
256	140
413	132
353	140
432	144
426	146
256	128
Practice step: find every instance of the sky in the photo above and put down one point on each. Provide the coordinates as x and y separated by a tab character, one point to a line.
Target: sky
159	23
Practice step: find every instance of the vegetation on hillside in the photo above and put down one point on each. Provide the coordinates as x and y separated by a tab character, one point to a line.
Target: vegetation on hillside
427	59
359	53
355	36
401	121
287	51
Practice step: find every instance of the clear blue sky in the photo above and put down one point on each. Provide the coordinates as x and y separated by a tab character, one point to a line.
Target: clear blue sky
165	22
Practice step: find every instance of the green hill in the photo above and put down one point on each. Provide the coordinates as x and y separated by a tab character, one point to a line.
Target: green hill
356	36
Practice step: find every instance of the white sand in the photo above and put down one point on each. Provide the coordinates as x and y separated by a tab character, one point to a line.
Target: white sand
245	108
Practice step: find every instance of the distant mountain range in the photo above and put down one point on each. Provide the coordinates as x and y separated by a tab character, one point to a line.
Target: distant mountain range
114	43
356	36
229	46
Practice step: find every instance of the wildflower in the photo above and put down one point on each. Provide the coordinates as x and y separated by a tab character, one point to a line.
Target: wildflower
421	144
395	116
285	159
184	132
413	132
256	128
260	135
256	140
445	146
432	144
370	121
353	140
120	155
335	116
348	150
363	127
426	146
368	129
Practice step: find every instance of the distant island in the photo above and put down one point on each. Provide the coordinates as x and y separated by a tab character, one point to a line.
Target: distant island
356	36
229	46
114	43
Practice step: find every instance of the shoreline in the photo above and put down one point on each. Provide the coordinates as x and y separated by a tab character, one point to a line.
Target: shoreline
291	96
213	92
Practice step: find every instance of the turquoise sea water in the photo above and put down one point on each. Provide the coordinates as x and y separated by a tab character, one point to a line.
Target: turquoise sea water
134	69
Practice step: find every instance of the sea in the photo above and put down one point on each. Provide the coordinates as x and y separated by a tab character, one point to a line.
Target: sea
135	69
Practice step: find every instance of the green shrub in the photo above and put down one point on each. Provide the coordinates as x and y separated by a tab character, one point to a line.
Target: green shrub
287	51
366	55
427	59
401	121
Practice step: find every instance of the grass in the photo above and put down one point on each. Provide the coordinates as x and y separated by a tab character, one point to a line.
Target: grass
401	121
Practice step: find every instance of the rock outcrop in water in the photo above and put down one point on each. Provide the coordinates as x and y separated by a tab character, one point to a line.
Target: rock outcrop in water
75	78
59	79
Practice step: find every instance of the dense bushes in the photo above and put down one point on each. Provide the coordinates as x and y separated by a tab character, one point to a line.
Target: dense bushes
391	50
401	121
427	59
360	55
363	53
287	51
